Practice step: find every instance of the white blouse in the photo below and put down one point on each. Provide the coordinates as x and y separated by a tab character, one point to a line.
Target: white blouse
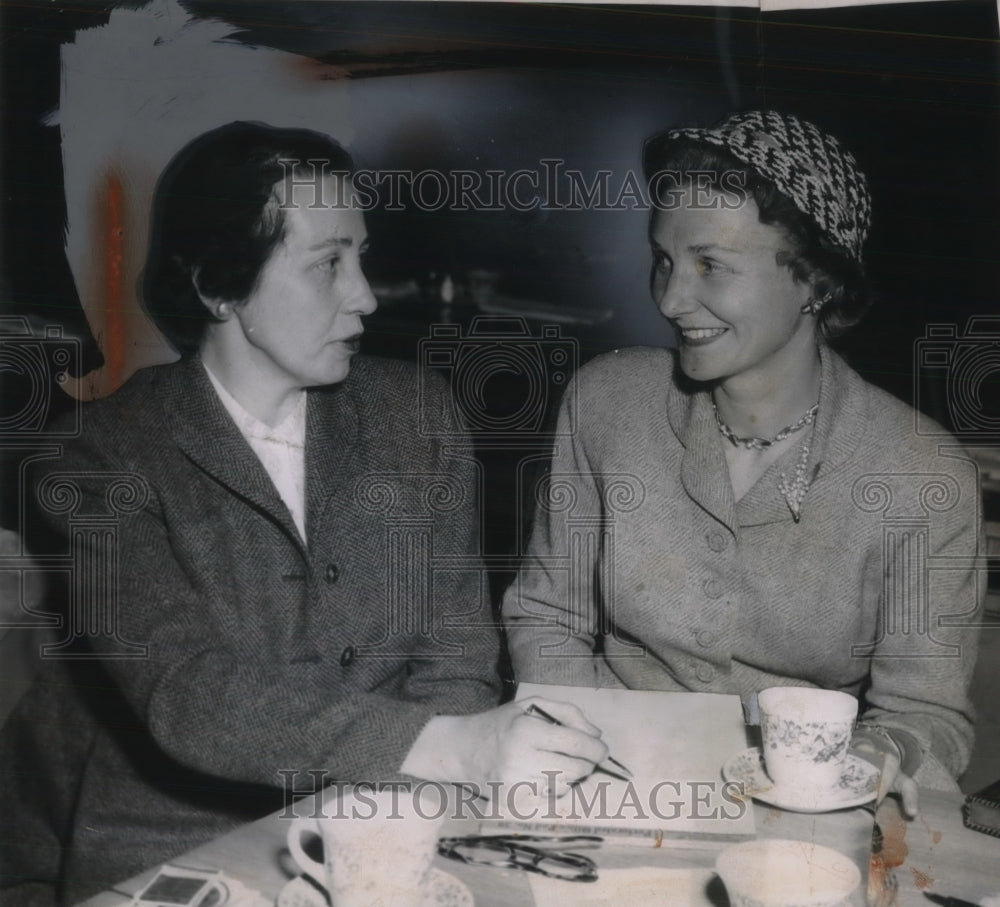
280	449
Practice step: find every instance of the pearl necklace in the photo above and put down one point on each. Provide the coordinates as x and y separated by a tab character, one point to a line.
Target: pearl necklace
794	492
764	443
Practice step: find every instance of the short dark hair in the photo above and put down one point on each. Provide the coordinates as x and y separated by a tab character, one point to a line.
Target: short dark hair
816	259
212	224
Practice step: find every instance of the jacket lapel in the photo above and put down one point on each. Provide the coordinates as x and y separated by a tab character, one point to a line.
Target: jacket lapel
704	472
764	502
843	413
204	431
331	448
840	421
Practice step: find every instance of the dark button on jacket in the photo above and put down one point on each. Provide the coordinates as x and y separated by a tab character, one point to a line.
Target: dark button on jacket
716	540
705	638
705	673
712	588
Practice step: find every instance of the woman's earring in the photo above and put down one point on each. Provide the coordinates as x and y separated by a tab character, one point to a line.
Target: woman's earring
813	306
222	312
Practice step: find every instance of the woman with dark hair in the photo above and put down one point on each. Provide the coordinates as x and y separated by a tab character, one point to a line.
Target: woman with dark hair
270	620
764	516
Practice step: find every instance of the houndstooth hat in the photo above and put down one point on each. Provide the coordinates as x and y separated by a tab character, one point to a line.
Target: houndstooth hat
810	166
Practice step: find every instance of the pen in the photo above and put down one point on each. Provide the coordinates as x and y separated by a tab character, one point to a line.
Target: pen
948	901
551	719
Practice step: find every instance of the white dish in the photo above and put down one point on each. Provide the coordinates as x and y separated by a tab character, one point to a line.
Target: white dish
778	872
441	889
858	784
640	886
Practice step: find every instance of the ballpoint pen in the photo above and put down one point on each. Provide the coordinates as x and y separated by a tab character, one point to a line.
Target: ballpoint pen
620	770
946	900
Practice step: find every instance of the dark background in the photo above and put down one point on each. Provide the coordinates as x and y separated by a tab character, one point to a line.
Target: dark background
912	89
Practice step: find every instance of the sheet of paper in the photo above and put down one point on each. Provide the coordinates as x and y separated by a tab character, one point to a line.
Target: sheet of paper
675	745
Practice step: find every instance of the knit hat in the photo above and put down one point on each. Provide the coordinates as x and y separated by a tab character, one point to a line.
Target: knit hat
811	167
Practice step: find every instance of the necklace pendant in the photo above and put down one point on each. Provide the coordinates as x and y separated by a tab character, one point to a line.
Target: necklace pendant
752	443
794	492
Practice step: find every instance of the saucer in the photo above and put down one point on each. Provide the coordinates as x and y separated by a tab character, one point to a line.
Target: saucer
440	889
858	784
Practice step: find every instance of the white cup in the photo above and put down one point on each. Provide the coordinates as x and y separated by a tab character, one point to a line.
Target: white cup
805	734
377	845
782	873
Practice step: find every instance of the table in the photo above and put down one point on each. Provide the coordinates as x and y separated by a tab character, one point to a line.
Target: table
934	852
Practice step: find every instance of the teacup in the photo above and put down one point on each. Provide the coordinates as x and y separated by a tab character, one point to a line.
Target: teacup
377	845
783	873
805	735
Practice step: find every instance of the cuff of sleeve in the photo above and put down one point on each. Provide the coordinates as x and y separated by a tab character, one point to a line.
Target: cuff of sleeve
906	745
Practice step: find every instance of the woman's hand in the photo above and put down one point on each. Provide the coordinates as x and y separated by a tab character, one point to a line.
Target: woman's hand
884	753
508	745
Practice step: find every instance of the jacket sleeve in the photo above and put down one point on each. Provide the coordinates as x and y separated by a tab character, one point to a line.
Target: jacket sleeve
465	678
221	706
934	580
550	611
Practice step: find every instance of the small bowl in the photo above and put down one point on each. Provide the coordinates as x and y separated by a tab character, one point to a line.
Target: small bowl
784	873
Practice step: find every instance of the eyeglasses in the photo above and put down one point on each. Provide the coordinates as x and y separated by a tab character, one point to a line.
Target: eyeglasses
513	852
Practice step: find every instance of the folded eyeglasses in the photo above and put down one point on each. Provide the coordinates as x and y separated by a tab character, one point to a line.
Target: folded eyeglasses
528	852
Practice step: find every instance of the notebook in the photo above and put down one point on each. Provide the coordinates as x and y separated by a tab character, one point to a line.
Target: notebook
675	745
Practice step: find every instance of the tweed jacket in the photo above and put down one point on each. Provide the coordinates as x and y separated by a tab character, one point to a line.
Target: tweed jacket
241	657
643	571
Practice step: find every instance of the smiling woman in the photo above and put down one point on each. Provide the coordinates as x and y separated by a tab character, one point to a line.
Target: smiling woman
719	277
766	536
